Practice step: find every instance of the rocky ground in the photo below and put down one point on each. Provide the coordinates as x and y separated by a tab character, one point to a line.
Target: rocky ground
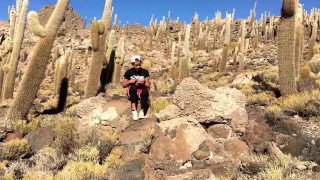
209	126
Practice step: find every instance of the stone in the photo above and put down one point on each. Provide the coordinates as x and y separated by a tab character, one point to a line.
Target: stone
177	140
110	114
258	133
207	106
300	166
236	148
242	79
12	136
220	131
204	151
132	170
41	138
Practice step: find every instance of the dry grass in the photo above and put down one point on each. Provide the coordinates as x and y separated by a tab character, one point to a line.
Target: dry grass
147	138
48	159
159	104
303	104
15	149
24	127
86	154
264	98
273	113
66	135
258	167
115	161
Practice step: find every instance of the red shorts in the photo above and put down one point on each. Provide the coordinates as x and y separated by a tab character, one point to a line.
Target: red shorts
138	92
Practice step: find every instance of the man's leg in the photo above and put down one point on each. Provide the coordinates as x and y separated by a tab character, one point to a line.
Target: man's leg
144	100
133	97
134	102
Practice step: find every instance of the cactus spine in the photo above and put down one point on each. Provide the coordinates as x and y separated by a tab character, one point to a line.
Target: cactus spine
286	47
185	63
223	64
37	65
14	59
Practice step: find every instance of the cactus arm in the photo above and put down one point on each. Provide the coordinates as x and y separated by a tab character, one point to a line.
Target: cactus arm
34	24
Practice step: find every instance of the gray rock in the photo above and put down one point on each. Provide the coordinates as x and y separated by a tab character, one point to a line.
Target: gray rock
132	170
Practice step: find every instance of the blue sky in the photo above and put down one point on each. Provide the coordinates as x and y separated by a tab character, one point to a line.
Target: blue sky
140	11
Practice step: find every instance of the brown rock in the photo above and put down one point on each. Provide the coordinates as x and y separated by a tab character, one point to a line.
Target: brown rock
258	132
12	136
307	84
236	148
40	138
178	139
202	153
220	131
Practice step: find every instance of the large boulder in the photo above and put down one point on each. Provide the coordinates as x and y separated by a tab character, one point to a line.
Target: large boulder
132	170
178	140
41	138
222	105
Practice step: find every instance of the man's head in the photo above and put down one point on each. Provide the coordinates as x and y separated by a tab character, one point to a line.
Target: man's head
136	62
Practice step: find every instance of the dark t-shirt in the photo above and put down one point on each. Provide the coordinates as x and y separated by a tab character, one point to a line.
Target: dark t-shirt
140	75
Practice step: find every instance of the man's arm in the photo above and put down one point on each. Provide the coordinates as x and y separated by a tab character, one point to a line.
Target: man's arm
147	80
126	80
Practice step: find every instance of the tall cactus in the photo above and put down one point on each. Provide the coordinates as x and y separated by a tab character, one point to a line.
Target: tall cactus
38	61
312	40
173	61
112	37
223	64
62	72
14	59
120	55
184	66
98	54
286	47
299	40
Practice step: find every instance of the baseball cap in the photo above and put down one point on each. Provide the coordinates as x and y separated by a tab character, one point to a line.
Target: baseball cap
134	58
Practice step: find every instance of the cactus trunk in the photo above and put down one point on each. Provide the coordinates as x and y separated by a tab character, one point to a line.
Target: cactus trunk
37	65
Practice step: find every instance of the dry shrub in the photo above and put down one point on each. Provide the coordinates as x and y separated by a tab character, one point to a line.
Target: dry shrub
147	138
83	170
34	175
159	104
86	154
48	159
271	76
71	111
303	104
314	64
305	72
24	127
15	149
316	49
273	113
18	168
66	135
265	167
115	90
115	161
8	176
264	98
107	142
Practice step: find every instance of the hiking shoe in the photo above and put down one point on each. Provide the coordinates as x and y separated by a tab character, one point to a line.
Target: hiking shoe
141	115
135	115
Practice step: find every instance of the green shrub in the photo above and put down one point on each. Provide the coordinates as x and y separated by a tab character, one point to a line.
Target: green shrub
86	154
48	159
66	135
15	149
159	104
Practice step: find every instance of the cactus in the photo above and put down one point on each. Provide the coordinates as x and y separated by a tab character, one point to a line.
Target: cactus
35	26
14	59
120	55
70	62
2	73
98	54
286	47
147	65
110	46
184	65
173	61
95	35
215	64
56	73
62	72
37	65
312	40
223	64
299	40
86	56
72	75
241	62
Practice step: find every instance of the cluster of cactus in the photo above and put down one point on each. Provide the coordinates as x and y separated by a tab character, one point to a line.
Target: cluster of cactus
38	62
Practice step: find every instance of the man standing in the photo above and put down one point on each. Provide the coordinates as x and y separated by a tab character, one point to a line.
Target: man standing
137	82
